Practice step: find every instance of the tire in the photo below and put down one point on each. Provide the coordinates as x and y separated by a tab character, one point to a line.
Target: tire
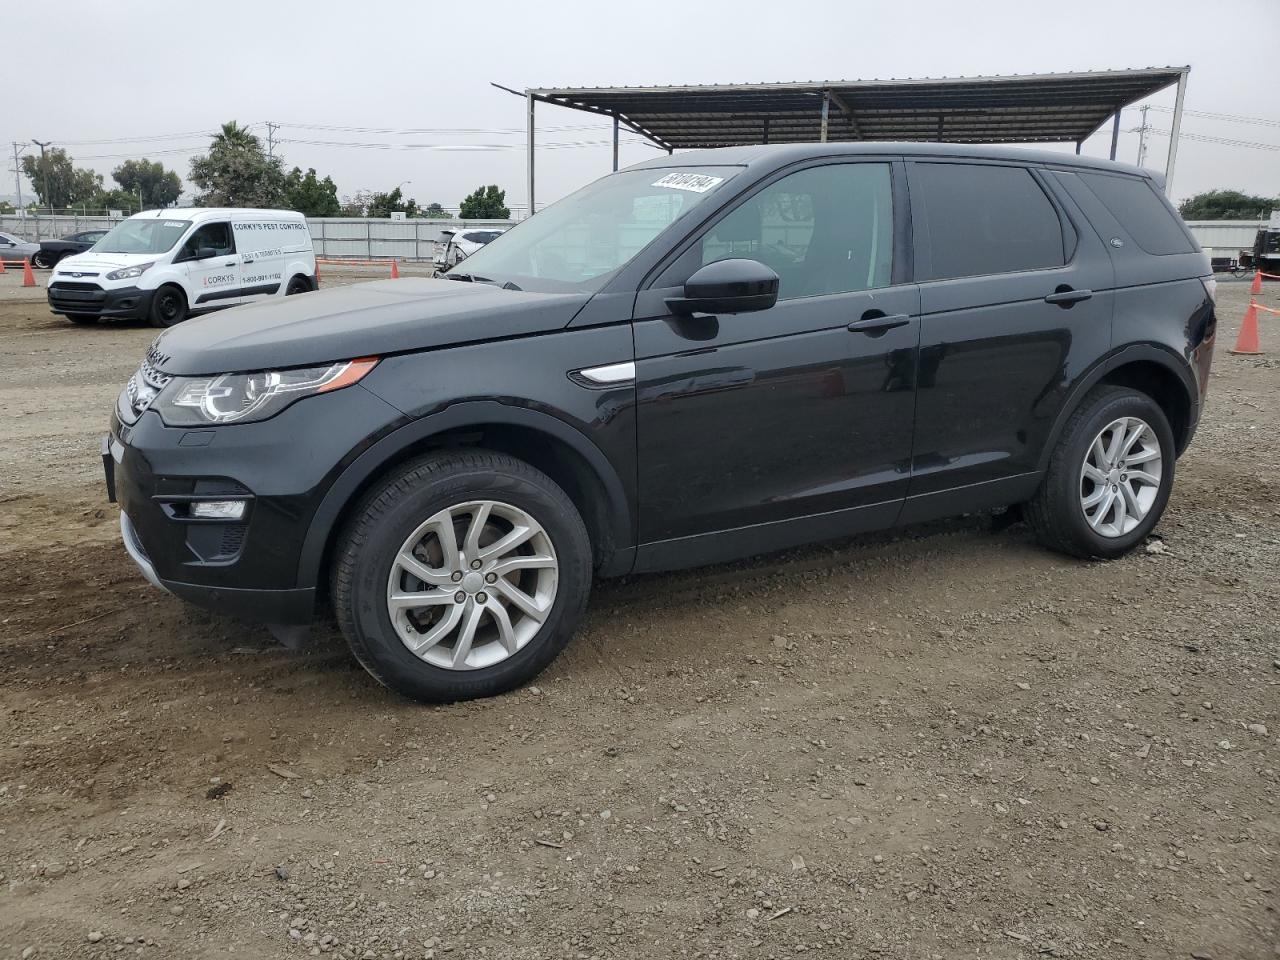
43	260
389	519
168	307
1059	513
83	319
297	284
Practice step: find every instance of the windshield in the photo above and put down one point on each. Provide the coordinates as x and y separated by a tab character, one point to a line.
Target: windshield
578	242
142	236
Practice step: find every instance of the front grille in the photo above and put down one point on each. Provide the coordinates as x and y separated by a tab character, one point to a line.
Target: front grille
143	387
76	296
61	285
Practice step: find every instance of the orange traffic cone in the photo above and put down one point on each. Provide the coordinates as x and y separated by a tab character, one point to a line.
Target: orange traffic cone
395	270
1	264
1257	282
28	278
1247	343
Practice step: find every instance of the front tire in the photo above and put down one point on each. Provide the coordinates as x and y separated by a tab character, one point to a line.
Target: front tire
43	260
462	575
1109	477
168	307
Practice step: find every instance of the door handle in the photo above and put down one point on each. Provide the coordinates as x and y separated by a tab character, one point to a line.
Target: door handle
232	263
876	325
248	261
1065	298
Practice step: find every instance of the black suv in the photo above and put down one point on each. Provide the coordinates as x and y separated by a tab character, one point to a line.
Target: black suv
695	359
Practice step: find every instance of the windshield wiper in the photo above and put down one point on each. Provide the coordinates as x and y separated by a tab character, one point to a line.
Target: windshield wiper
467	277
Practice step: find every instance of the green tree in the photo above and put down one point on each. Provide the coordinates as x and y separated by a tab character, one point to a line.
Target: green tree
435	211
116	200
310	196
6	207
384	204
237	172
57	181
159	187
486	203
1227	205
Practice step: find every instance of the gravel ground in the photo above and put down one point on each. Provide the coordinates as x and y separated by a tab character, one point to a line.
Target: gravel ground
945	742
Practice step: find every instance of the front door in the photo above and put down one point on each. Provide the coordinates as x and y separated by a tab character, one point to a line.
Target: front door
213	269
760	430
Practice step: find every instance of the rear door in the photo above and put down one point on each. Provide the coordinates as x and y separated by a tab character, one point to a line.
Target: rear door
1016	300
262	246
213	269
790	424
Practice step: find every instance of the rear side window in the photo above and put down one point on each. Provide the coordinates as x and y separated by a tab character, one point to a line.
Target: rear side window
1142	212
986	219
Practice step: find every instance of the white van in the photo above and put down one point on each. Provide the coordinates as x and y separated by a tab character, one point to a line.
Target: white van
166	265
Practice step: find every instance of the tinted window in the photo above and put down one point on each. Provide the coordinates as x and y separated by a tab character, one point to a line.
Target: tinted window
1141	211
216	236
986	219
823	230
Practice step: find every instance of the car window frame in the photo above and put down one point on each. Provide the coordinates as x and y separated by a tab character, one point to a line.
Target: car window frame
181	245
923	241
901	263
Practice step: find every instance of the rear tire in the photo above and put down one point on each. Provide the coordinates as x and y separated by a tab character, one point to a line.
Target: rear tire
488	618
1109	477
297	284
43	260
168	307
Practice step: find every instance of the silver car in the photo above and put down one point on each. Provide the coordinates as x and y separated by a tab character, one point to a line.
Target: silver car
15	249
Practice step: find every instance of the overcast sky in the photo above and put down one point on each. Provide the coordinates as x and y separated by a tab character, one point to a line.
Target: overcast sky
122	71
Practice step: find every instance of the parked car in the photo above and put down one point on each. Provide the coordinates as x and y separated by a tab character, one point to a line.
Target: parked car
705	356
460	244
15	249
51	251
166	265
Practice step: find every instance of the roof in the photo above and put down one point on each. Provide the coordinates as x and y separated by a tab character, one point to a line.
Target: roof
1028	108
206	213
782	154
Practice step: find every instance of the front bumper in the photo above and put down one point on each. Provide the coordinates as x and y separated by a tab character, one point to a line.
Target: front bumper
90	299
280	467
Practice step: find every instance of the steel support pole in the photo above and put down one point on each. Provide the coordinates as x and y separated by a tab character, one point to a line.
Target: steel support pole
826	110
1078	143
1174	131
529	148
1115	133
615	144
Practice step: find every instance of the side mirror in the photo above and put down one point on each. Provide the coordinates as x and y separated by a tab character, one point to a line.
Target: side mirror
727	286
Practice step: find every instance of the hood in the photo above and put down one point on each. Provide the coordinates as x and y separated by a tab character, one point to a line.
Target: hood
101	262
363	320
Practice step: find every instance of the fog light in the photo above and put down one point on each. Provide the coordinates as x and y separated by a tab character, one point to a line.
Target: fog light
218	509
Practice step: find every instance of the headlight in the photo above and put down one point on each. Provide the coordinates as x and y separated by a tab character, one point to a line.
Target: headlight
248	397
128	273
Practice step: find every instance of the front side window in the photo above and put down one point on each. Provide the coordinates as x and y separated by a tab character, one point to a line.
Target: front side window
212	236
577	243
142	236
986	219
823	230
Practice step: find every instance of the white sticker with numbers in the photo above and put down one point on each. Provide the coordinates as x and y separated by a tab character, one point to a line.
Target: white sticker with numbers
693	182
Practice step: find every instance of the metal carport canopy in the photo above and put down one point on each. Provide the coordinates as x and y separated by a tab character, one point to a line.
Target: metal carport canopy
1029	108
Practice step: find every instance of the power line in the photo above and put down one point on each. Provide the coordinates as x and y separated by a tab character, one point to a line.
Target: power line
1209	115
1226	141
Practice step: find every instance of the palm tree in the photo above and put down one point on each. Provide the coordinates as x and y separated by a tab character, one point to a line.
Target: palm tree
234	135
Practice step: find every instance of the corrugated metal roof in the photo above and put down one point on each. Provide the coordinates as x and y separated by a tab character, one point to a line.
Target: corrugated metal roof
1029	108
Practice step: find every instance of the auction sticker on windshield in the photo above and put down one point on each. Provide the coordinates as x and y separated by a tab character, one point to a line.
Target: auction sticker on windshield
694	182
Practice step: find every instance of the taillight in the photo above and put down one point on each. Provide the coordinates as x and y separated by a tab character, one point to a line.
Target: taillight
1211	288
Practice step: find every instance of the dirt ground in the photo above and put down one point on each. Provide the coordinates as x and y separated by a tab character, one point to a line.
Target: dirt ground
942	743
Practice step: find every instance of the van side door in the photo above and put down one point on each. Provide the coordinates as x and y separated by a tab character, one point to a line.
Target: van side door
212	267
262	258
761	430
1016	301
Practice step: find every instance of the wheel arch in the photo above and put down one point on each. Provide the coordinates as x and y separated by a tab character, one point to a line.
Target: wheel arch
545	442
1149	368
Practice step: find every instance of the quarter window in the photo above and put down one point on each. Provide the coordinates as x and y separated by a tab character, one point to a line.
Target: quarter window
1141	211
986	219
823	230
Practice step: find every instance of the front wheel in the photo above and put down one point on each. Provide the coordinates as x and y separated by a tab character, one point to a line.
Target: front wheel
1109	477
168	306
43	260
462	575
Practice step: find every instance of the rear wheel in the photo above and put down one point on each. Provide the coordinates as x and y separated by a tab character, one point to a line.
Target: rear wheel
297	285
44	260
1109	478
168	306
462	575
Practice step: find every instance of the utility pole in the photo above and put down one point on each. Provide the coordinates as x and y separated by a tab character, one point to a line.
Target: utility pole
45	168
17	171
271	139
1142	136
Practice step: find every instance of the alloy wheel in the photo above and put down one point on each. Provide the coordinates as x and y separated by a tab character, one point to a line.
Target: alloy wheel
1120	476
472	585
